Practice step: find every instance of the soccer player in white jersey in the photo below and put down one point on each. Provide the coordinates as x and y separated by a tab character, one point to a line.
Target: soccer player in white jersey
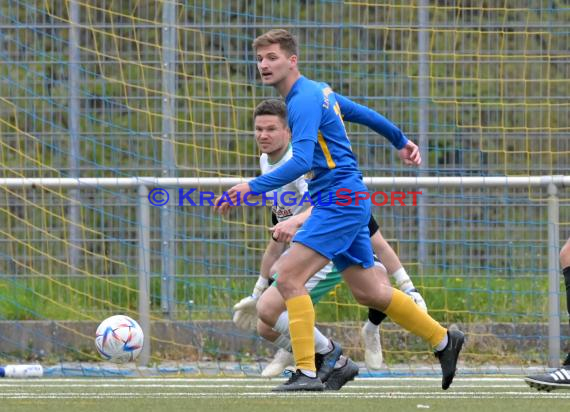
272	136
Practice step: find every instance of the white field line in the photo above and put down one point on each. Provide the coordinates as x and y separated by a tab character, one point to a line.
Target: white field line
257	395
217	380
420	388
350	386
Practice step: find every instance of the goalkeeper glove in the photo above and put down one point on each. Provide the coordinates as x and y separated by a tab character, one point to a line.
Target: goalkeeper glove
405	284
245	313
417	298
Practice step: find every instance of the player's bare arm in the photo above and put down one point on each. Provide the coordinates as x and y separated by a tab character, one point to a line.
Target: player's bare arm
272	252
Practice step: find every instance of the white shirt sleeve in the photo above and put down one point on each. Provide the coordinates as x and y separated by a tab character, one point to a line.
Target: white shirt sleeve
301	185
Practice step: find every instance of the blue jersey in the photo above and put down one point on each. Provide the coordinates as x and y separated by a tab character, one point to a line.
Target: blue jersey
320	143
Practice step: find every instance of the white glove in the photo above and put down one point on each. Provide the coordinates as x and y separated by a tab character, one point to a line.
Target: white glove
418	299
245	313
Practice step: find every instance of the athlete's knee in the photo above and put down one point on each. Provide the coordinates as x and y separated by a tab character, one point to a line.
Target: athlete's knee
263	309
289	280
270	306
362	297
290	286
376	298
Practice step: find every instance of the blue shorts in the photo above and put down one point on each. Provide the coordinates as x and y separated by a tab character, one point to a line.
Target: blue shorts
340	233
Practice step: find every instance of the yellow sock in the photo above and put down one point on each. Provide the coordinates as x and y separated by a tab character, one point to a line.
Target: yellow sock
408	315
301	327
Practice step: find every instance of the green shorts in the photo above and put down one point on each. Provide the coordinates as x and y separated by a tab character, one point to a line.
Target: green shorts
321	283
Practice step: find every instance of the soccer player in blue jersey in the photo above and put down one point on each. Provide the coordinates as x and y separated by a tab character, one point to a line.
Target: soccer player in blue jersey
337	229
273	139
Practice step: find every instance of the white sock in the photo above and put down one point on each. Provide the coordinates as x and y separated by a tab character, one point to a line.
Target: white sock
310	374
283	342
282	324
402	279
369	327
441	345
322	343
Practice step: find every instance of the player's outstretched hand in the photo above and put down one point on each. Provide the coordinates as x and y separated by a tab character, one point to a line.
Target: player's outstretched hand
410	154
233	197
221	206
245	313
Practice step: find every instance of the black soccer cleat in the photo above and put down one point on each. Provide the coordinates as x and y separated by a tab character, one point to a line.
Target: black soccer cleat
325	363
448	357
339	377
300	382
558	379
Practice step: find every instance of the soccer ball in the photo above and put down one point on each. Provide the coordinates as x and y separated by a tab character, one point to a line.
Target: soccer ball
119	339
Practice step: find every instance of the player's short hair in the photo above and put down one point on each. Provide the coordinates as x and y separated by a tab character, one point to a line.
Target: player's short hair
286	41
272	107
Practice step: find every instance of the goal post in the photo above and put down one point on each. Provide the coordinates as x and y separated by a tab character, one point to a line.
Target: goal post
550	184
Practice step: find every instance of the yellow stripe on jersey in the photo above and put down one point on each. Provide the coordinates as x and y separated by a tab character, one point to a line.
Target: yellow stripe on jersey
330	162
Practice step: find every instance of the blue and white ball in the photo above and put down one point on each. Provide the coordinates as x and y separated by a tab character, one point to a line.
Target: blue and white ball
119	339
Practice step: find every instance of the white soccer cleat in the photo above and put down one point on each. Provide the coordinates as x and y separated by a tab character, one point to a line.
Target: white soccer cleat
372	348
282	360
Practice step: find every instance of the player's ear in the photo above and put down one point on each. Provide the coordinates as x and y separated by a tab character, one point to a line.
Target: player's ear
293	60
